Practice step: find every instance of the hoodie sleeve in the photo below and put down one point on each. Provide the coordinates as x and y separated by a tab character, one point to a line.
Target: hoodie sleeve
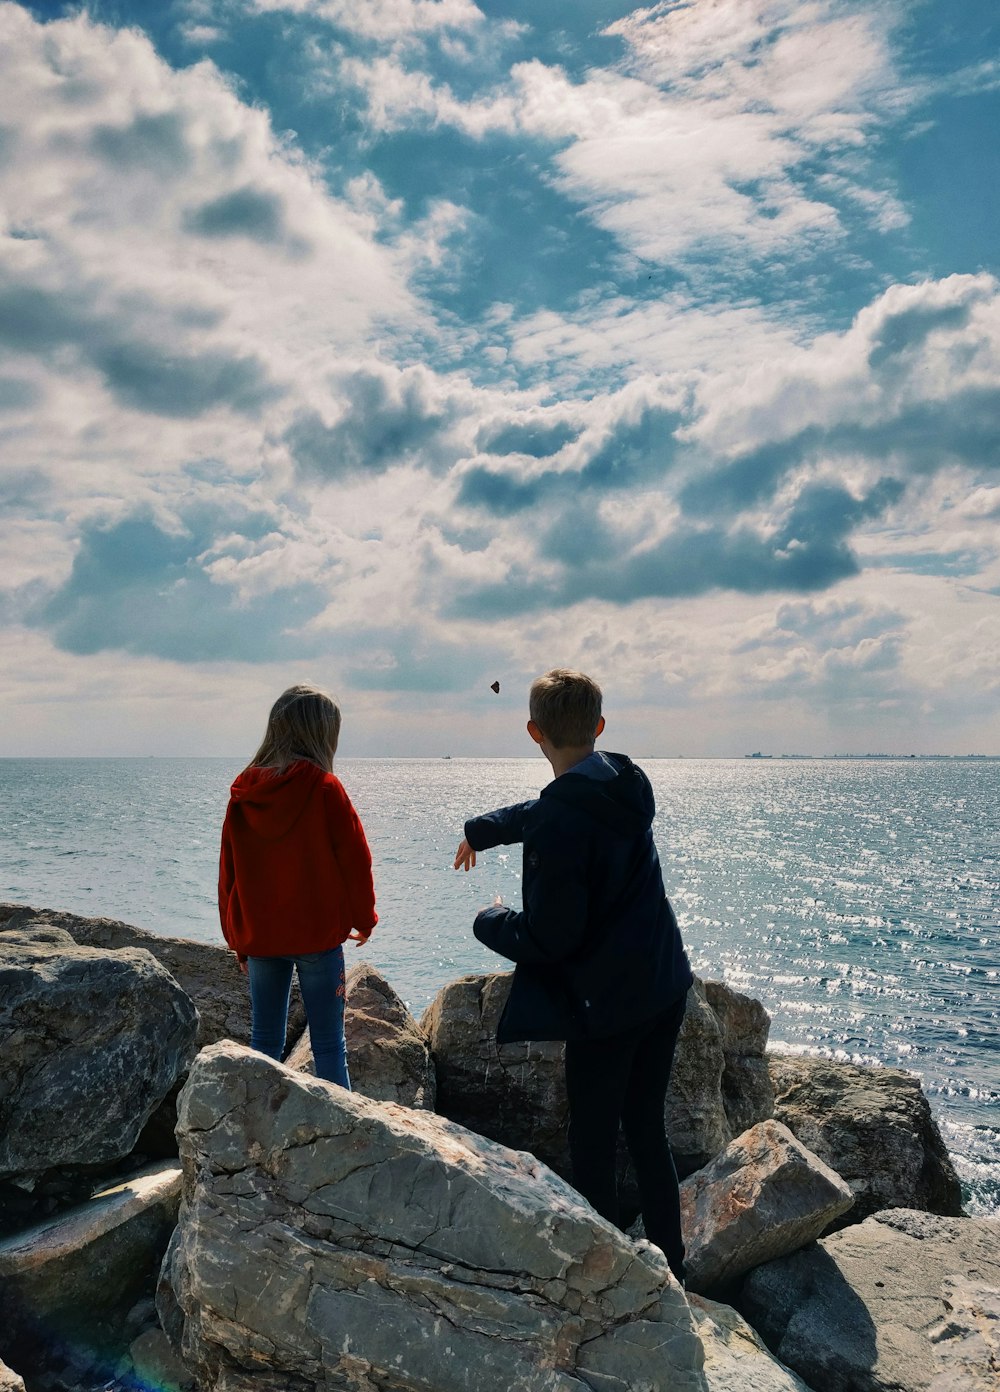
227	878
350	846
553	923
503	827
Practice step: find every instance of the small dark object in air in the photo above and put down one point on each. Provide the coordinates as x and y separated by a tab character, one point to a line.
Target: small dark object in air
495	686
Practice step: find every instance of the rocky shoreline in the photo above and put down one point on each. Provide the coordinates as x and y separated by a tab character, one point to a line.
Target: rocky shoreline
179	1212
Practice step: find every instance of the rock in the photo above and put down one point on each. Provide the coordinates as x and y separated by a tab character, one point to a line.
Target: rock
330	1242
874	1127
863	1310
9	1380
696	1115
67	1286
747	1092
764	1196
968	1338
515	1095
207	972
387	1052
736	1360
90	1042
155	1364
141	1317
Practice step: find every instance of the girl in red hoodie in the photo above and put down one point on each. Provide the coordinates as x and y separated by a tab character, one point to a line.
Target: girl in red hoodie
295	878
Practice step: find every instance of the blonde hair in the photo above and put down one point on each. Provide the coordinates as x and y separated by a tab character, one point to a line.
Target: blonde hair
566	707
304	724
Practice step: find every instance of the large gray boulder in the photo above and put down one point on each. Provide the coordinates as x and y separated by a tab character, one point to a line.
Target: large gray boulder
388	1054
331	1242
208	972
874	1127
736	1359
153	1364
515	1094
697	1123
864	1309
90	1042
67	1285
764	1196
747	1091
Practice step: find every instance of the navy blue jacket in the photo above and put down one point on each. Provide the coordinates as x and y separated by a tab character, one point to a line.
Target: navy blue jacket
596	946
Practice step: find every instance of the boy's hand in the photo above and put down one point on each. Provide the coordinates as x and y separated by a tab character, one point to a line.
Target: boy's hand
465	856
355	936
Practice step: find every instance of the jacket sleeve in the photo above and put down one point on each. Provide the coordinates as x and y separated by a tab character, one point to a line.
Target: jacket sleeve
503	827
553	922
227	878
350	846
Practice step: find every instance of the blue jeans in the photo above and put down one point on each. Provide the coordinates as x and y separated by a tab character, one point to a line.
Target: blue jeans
321	979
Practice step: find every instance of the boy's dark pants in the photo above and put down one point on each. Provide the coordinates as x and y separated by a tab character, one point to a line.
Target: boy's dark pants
624	1080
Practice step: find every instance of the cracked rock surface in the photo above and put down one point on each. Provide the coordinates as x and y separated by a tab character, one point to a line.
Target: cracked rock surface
967	1340
517	1094
747	1091
68	1284
82	1070
207	973
766	1195
873	1126
9	1380
899	1303
329	1241
736	1359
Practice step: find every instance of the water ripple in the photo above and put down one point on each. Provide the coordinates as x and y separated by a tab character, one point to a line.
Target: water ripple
859	900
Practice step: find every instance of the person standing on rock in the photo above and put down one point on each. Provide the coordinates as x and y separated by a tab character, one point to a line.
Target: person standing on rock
295	878
599	960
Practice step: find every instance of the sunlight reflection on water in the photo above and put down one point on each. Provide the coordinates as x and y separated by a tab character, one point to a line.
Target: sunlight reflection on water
859	900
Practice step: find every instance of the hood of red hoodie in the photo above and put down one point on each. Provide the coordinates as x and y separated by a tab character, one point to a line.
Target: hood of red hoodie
271	803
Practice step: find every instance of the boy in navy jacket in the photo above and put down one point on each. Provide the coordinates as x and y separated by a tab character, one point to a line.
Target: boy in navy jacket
599	960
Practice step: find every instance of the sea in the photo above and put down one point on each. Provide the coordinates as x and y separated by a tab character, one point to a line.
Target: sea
859	899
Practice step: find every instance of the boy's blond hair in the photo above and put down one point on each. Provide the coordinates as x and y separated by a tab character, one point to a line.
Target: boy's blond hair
566	707
304	724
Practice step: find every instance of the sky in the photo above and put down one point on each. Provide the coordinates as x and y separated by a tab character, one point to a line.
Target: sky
405	346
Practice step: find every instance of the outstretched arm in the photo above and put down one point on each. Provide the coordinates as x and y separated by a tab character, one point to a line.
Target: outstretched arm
503	827
553	923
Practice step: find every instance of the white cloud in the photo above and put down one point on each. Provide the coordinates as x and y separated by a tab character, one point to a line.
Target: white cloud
157	198
913	348
398	97
703	137
166	257
219	402
674	335
824	65
670	175
383	19
178	286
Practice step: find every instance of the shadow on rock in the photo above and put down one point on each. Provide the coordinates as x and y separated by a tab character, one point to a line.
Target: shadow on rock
811	1319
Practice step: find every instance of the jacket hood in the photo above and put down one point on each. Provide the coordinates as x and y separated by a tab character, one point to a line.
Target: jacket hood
624	803
271	803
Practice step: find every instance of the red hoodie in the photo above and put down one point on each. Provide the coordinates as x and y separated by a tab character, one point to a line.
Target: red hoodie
295	872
